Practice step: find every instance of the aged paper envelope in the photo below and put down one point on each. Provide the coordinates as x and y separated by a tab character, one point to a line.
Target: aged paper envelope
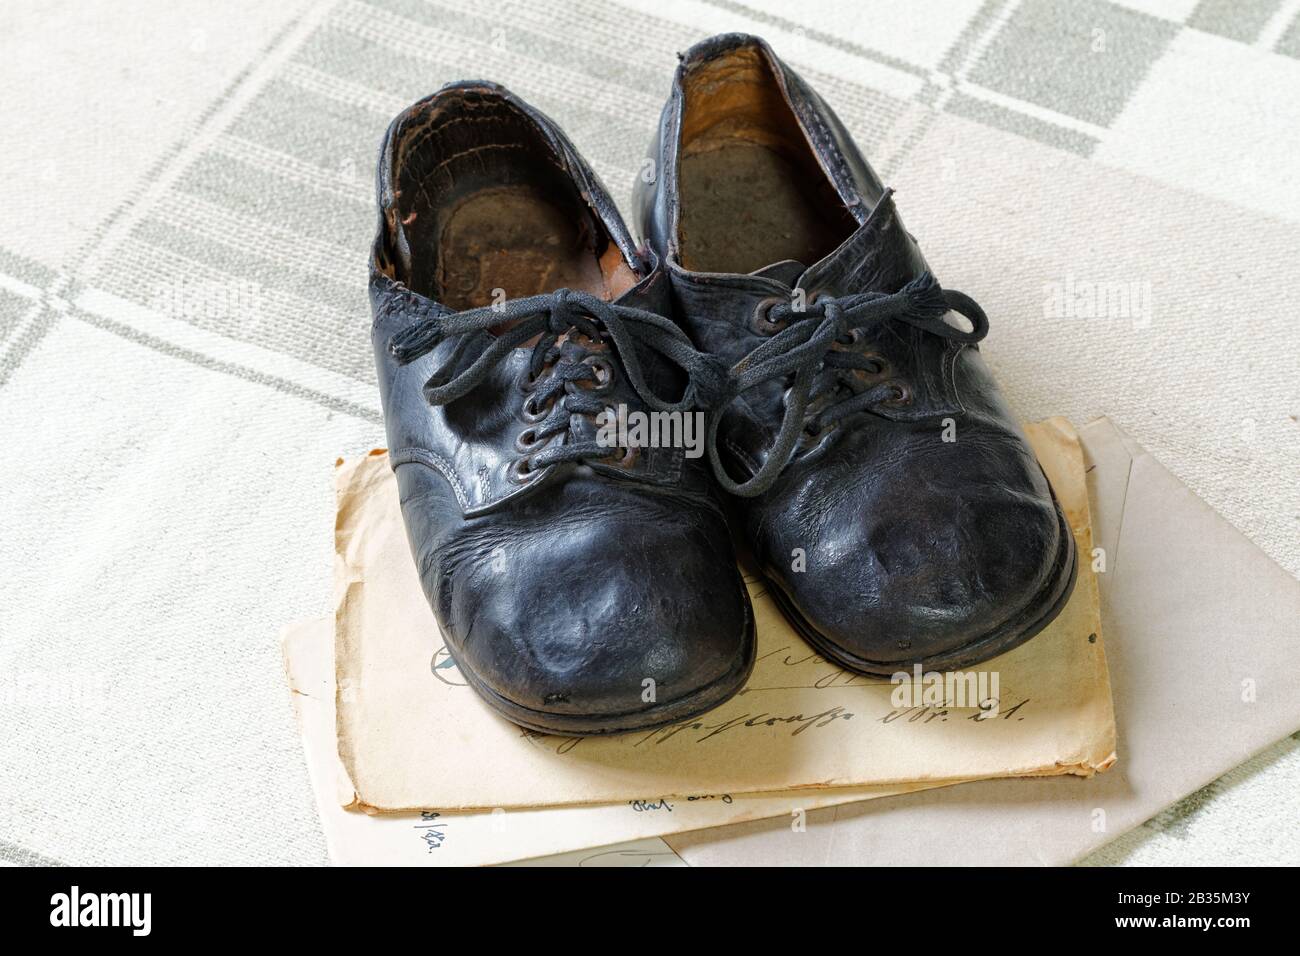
1203	629
440	838
409	731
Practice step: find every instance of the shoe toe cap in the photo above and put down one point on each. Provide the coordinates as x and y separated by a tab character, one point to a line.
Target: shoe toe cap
916	564
633	614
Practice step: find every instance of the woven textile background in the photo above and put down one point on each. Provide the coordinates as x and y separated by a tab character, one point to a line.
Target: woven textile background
185	206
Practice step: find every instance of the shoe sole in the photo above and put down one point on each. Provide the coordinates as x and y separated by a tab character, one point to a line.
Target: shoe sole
599	725
1007	637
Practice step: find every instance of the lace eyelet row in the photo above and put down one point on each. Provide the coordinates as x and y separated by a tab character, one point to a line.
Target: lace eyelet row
521	470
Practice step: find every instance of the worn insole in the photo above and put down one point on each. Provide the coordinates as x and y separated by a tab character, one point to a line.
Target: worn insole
745	206
516	239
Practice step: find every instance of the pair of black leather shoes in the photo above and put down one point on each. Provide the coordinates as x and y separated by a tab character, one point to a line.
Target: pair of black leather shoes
878	477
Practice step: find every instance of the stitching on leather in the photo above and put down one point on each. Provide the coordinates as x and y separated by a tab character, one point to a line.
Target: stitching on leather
431	459
828	147
824	139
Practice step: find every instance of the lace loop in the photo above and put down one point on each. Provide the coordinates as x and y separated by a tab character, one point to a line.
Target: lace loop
805	348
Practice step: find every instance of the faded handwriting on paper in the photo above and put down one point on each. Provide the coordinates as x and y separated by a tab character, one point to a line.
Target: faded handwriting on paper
930	713
746	721
663	803
432	832
647	806
707	730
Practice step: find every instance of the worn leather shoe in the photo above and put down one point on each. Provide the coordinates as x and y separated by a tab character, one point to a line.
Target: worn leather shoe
885	487
580	588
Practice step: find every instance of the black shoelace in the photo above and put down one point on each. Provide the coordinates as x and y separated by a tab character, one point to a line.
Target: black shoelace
560	383
804	349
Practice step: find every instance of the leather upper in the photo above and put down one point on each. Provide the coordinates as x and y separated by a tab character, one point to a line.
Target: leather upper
914	546
561	590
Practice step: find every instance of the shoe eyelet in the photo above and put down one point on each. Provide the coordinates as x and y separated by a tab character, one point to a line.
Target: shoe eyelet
604	369
531	414
526	441
623	457
902	395
521	472
849	341
762	321
878	371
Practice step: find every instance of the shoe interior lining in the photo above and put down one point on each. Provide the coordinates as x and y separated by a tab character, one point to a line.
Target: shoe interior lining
485	204
752	191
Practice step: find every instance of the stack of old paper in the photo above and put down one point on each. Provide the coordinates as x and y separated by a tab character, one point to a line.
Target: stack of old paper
392	730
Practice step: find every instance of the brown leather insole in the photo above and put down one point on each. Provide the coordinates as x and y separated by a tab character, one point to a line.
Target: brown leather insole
516	239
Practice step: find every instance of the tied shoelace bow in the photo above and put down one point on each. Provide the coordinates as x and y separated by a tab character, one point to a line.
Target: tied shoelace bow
559	383
805	349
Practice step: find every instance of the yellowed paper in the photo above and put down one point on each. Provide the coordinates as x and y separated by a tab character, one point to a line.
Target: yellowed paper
1192	610
593	835
412	736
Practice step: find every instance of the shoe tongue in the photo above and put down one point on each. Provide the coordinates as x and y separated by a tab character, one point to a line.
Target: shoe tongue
787	271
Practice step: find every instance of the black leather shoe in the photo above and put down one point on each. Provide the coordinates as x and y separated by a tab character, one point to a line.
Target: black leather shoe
886	488
580	588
